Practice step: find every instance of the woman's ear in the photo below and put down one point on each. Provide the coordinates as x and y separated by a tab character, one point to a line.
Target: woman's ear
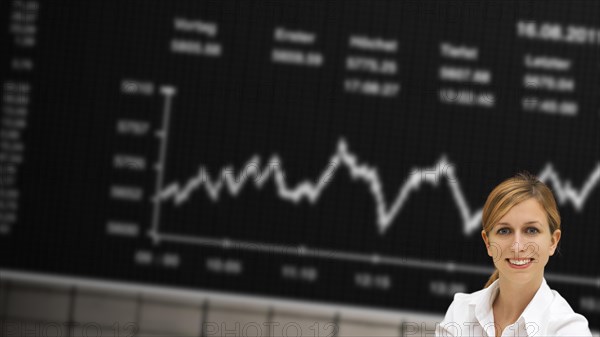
486	240
555	240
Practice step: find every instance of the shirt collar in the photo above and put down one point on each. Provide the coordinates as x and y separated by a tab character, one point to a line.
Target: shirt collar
534	313
482	305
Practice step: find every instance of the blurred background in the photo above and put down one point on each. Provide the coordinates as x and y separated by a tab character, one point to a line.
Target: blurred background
271	168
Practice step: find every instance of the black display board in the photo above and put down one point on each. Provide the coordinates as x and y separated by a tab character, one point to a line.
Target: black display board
335	151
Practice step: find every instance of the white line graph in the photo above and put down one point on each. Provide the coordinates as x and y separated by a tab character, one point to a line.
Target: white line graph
442	170
385	212
564	191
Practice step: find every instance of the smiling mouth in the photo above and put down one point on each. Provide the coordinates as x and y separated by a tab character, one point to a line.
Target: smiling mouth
519	262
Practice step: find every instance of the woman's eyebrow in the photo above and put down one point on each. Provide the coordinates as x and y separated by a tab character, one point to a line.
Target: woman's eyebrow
525	223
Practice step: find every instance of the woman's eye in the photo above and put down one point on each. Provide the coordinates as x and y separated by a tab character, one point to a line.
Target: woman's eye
532	230
503	231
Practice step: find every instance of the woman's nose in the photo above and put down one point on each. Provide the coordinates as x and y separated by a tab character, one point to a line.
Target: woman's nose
518	245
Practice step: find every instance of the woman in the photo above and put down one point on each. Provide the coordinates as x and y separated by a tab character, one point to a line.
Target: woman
521	230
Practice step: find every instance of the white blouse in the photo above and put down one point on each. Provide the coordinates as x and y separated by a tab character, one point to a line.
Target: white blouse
548	314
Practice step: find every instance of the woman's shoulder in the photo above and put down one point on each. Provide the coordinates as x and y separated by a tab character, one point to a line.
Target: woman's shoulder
466	298
559	307
462	301
459	312
562	318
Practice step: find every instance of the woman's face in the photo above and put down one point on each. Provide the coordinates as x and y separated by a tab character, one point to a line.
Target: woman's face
521	242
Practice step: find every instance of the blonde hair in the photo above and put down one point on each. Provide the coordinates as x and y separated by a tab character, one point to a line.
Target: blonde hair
512	191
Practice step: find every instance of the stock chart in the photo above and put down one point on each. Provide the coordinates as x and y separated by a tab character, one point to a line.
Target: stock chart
337	152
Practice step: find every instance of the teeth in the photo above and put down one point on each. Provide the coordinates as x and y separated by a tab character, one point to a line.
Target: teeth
519	262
